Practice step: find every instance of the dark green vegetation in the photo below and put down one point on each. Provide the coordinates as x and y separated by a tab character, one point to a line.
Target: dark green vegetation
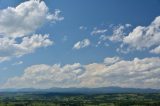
65	99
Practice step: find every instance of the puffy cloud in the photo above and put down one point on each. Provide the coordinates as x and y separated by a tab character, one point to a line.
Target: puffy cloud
45	76
141	73
156	50
11	48
118	33
55	17
144	37
29	44
141	38
82	44
25	18
18	25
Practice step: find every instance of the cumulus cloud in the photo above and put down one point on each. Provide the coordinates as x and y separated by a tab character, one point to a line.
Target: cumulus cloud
140	38
118	33
155	50
25	18
115	34
18	25
141	73
82	44
44	76
55	17
10	48
143	37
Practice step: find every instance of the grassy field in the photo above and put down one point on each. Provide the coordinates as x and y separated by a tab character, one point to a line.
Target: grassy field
64	99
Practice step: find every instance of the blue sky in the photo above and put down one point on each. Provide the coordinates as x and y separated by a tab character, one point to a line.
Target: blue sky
73	34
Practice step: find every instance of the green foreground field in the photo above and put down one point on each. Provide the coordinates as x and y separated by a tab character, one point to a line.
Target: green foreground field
64	99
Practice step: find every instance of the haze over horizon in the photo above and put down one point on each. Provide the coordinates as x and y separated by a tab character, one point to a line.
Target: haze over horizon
84	43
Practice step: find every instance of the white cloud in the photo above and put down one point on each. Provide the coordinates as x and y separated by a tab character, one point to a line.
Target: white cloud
43	76
83	28
144	37
155	50
55	17
17	63
97	31
141	38
21	22
82	44
118	34
128	25
141	73
29	44
25	18
2	59
111	60
10	48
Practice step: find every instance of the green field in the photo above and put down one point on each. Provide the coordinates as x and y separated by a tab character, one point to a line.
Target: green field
64	99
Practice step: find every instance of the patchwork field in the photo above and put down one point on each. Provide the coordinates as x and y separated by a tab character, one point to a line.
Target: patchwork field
65	99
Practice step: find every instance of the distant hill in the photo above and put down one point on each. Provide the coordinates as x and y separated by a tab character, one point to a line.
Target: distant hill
86	90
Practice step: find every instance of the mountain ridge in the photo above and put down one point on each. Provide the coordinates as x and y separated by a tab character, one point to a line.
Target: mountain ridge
84	90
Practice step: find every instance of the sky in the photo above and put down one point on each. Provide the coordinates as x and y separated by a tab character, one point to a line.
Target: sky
79	43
